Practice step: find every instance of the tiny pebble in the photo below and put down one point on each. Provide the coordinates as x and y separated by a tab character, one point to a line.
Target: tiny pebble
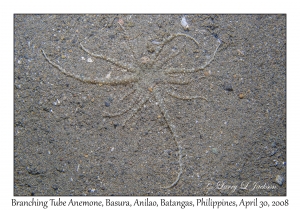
207	73
89	60
107	104
121	22
92	190
214	150
279	179
273	153
56	103
241	95
108	75
156	42
184	24
228	87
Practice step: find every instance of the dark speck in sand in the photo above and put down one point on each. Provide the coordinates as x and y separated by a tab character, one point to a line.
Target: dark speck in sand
228	87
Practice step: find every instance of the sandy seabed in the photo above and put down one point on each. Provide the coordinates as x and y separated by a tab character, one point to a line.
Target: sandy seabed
232	144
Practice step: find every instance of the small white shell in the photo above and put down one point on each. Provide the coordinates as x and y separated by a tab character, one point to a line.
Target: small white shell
184	23
108	75
156	42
